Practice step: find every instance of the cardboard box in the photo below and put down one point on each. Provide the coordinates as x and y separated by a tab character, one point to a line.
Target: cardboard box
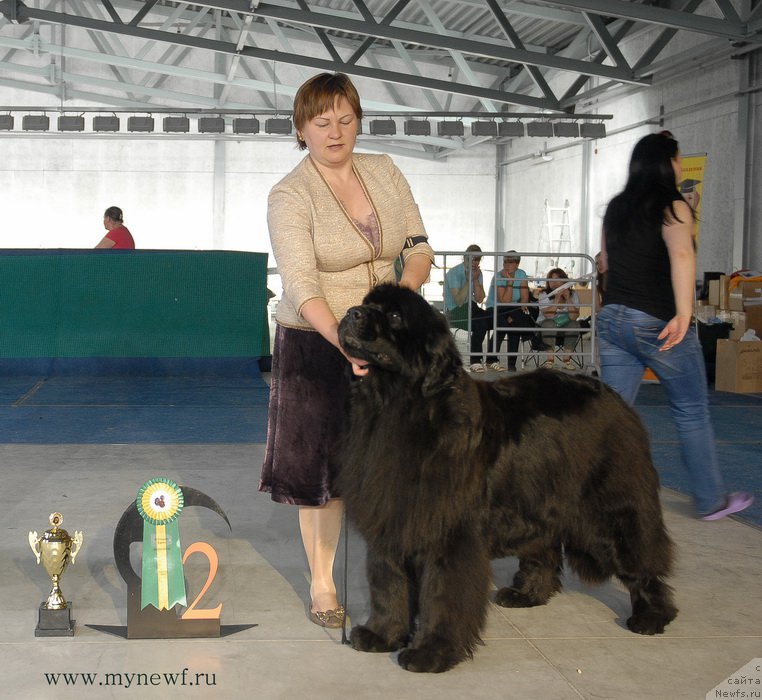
714	293
738	319
745	294
739	366
754	318
724	300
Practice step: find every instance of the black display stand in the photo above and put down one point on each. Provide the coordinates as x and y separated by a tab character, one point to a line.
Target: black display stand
150	623
55	623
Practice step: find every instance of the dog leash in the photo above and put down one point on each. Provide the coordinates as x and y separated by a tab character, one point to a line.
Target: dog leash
344	639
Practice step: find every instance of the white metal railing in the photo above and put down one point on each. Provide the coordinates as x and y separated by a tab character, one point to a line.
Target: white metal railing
586	349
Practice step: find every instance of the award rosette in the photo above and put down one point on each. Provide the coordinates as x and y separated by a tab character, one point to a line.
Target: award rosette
160	502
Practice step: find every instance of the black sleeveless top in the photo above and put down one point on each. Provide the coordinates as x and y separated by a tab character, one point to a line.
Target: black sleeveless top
639	271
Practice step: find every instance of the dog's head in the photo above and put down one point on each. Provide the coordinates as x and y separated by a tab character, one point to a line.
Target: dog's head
398	332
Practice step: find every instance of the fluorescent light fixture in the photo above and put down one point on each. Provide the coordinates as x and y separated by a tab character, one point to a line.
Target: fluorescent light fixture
510	129
383	127
417	127
211	125
35	122
177	125
539	129
450	128
566	129
106	123
246	125
277	125
6	122
71	123
592	130
144	124
484	128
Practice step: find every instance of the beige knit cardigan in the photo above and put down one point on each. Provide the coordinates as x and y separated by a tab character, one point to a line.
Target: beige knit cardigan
320	252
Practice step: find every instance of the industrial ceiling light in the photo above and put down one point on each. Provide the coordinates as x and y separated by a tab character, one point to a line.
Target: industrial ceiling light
593	130
510	129
106	123
450	128
539	129
246	125
278	125
177	125
35	122
144	124
482	128
417	127
71	123
211	125
6	122
566	129
383	127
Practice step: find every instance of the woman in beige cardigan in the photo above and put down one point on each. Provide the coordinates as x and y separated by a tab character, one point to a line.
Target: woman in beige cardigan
337	223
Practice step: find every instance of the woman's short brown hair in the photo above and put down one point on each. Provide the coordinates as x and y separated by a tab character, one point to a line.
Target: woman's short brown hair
319	94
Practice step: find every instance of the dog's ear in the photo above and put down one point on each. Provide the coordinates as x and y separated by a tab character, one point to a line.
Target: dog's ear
444	363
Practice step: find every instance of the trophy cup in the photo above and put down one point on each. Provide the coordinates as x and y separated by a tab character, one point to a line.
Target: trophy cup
55	549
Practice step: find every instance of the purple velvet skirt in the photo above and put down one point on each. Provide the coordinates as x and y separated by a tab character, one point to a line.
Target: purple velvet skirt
308	414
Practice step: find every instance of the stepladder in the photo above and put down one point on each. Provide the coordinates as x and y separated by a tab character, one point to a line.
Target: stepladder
556	236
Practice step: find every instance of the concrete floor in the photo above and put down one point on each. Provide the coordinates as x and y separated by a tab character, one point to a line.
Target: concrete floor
575	647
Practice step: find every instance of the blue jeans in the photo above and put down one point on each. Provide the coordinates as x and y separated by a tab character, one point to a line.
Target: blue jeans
628	344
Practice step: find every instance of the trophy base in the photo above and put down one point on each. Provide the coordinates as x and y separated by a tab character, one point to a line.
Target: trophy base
55	623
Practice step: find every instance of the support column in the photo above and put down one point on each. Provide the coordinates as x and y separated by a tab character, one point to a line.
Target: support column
742	170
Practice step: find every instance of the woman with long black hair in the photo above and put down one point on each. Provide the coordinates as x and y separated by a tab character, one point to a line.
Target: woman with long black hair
649	256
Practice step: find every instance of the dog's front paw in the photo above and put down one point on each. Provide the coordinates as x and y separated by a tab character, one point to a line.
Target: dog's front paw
649	622
364	639
510	597
426	660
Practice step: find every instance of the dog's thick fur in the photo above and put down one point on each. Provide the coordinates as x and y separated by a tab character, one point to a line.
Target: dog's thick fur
442	473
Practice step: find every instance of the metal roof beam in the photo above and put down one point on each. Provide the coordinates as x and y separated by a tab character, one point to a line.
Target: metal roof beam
610	45
429	39
513	36
413	68
518	8
730	29
457	57
295	59
665	36
388	19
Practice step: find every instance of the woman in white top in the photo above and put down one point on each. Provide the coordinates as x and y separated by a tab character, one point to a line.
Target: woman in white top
559	310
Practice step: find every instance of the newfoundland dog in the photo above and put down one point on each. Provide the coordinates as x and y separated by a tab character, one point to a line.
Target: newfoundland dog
442	473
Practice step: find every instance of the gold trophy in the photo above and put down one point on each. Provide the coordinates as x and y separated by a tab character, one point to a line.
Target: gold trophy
55	548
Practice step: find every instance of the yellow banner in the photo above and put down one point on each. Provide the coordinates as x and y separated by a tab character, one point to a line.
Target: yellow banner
691	186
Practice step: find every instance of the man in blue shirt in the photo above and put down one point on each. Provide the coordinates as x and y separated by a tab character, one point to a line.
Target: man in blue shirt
462	281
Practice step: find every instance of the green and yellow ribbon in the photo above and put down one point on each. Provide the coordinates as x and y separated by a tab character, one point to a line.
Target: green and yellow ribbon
160	502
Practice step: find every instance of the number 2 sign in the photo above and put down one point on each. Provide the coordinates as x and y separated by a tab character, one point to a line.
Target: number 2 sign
152	597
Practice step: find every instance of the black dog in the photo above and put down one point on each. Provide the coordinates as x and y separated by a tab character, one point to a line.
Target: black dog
442	473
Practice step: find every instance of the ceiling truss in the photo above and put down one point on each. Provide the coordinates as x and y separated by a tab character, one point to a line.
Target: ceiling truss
494	56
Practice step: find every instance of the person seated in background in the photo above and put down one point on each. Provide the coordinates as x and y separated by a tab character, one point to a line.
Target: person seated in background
118	235
509	289
458	282
559	310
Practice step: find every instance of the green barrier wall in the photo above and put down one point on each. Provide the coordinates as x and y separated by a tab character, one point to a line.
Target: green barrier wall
143	303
